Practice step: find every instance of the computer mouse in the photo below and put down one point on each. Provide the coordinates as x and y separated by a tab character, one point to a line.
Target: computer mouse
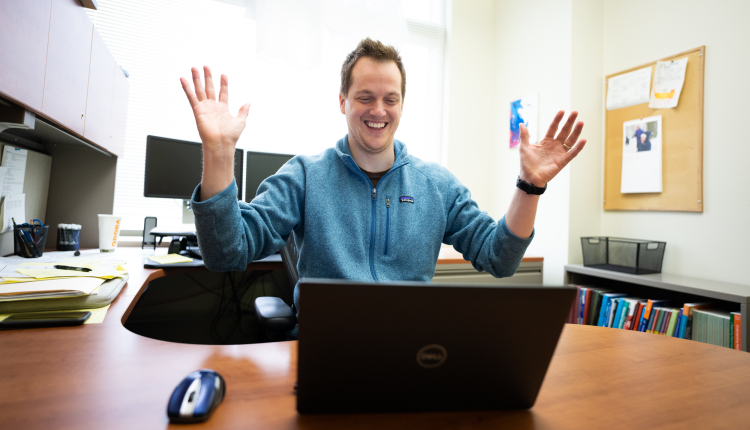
196	398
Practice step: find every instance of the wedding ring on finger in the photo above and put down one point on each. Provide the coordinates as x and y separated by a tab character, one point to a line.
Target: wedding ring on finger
567	147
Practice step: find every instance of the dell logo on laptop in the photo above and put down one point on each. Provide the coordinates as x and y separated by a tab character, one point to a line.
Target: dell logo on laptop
431	356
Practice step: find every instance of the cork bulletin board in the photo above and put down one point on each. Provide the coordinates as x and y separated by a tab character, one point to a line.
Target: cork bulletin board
682	146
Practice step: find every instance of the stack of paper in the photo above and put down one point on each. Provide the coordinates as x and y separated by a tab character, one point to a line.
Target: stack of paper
23	280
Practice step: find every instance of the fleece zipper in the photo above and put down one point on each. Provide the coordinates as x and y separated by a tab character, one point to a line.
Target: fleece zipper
372	234
387	223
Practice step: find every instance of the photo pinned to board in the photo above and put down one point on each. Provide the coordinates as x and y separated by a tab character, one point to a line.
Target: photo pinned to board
642	155
524	111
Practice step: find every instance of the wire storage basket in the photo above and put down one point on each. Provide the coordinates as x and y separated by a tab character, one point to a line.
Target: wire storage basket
635	256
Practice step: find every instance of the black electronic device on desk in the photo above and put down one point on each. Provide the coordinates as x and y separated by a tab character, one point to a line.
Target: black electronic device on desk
44	319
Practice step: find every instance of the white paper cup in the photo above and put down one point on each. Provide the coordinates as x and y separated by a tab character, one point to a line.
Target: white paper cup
109	232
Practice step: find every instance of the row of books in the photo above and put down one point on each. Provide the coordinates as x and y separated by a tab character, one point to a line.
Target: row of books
696	321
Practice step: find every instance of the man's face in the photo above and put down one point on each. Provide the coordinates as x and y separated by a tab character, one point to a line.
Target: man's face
374	105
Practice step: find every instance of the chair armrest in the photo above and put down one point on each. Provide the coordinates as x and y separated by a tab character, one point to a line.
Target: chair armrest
274	314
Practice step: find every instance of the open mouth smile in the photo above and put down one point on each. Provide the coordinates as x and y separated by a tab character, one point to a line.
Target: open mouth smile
375	125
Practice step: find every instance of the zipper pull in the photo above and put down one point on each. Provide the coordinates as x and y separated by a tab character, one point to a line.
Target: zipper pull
387	203
374	192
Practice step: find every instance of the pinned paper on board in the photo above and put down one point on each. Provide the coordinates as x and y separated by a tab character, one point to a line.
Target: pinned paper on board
12	207
669	76
642	155
524	111
628	89
14	160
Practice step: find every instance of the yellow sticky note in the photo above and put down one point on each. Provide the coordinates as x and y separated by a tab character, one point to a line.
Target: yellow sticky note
170	259
120	268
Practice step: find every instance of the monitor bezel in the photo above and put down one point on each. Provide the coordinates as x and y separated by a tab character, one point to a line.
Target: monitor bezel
239	154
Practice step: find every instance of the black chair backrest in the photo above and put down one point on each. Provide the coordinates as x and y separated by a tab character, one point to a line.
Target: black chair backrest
148	239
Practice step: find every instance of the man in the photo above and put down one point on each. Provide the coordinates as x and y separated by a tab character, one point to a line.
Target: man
365	209
644	143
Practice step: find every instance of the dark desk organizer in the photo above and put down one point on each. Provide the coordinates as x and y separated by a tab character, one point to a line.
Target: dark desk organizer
29	244
68	237
638	257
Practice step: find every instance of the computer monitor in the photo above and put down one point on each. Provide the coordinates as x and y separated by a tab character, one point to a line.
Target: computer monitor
174	168
261	165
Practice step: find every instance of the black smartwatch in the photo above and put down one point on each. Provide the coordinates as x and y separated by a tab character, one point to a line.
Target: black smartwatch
530	188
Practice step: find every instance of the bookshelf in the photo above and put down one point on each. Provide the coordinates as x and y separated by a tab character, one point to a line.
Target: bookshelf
681	288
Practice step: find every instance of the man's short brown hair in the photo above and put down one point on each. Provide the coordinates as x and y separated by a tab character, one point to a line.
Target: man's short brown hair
377	51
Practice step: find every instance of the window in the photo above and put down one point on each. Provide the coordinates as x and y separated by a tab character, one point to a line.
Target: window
294	106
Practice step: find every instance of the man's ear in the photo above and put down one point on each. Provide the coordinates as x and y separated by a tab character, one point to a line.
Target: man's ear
342	103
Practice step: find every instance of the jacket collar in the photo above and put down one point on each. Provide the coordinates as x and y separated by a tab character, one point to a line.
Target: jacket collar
343	151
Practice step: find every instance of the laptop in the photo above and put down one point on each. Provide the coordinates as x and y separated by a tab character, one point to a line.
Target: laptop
414	346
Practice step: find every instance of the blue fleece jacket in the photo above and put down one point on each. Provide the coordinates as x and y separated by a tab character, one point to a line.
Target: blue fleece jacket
346	229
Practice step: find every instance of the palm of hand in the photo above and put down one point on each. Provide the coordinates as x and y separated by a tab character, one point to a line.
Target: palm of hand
544	160
216	124
218	129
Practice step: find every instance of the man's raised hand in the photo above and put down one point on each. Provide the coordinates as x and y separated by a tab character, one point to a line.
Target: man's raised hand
218	129
544	160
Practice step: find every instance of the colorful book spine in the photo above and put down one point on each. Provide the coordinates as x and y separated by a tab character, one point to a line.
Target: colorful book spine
646	315
665	324
623	313
641	319
587	308
656	321
581	305
602	311
688	312
736	330
677	324
638	315
613	316
608	308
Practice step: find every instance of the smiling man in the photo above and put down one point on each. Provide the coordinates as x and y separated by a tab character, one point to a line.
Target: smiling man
365	209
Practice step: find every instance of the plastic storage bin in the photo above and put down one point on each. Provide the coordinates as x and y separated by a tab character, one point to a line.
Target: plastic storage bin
634	256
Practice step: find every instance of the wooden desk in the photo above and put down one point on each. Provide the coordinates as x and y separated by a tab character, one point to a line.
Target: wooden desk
103	376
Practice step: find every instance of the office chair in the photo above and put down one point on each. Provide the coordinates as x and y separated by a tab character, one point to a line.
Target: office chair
274	315
149	239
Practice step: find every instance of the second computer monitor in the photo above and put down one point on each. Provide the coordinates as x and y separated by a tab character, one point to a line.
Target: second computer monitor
261	165
174	168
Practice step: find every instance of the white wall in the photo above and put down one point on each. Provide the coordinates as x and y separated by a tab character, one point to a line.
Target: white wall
533	56
713	244
471	109
587	95
562	50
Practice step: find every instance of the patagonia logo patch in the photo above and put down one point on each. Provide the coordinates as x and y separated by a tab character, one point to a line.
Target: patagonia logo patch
406	199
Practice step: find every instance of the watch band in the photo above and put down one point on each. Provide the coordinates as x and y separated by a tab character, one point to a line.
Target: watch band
530	188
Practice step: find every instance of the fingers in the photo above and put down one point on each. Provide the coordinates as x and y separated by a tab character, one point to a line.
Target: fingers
523	133
244	110
575	150
210	93
199	93
565	131
555	123
189	92
224	90
571	140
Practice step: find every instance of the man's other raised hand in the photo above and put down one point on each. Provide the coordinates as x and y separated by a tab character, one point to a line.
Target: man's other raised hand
544	160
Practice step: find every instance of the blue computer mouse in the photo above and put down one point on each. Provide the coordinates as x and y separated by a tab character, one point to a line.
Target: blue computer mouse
196	398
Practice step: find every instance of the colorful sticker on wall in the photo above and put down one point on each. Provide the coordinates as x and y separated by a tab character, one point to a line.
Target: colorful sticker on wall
526	111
